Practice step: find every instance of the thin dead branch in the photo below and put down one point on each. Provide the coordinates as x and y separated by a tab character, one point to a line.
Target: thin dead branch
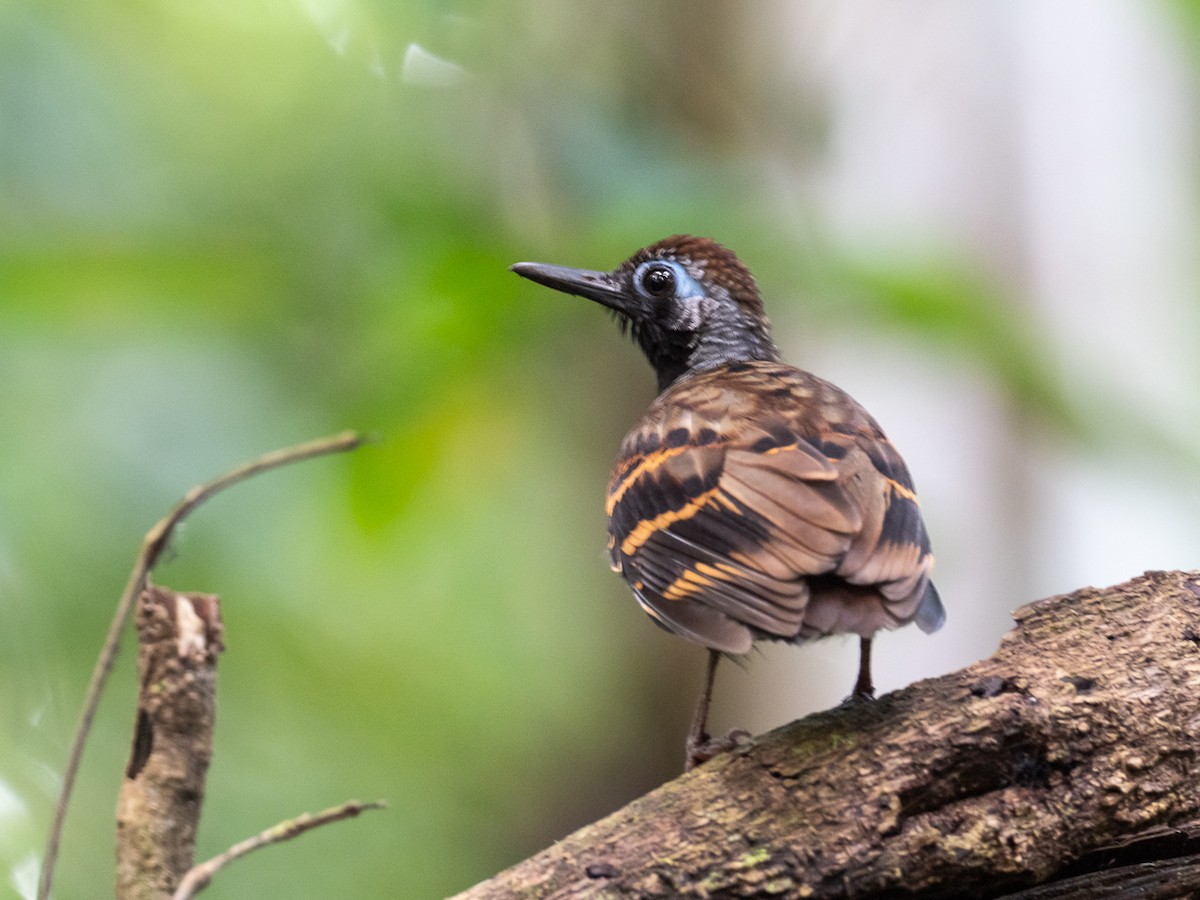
198	878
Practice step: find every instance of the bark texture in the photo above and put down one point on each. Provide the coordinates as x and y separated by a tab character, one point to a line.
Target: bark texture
179	637
1072	753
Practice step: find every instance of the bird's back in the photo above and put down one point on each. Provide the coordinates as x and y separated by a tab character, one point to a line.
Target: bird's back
755	500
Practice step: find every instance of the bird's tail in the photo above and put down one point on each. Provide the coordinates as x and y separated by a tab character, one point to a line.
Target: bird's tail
931	615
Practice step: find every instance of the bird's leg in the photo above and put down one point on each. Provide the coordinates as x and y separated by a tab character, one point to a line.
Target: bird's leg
698	739
864	689
700	746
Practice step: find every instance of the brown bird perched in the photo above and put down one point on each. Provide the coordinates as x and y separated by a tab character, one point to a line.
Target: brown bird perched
753	501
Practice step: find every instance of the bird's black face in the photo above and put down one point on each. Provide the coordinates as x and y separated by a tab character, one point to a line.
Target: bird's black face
688	303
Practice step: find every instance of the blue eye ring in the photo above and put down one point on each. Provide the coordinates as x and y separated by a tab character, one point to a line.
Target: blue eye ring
657	279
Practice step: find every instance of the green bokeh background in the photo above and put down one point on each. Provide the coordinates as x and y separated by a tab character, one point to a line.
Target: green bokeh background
228	227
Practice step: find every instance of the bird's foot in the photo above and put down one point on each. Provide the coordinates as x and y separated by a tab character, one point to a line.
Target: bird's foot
859	696
704	748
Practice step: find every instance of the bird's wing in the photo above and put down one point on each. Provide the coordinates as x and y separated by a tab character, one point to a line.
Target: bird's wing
727	501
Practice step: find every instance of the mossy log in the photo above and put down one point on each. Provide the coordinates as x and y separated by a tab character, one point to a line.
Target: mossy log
1071	757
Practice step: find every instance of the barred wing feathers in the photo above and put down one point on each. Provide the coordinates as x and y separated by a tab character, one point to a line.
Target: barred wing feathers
758	501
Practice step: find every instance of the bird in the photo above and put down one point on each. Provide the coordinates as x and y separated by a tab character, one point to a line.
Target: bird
753	501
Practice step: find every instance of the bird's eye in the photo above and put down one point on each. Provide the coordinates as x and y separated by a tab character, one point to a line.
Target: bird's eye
658	281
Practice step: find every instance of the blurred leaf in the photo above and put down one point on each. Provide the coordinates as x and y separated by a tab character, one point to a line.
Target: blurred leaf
963	315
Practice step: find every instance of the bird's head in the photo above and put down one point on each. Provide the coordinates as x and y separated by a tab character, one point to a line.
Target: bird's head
688	302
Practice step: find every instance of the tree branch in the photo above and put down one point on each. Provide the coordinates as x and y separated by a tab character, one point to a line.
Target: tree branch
1078	736
198	878
158	810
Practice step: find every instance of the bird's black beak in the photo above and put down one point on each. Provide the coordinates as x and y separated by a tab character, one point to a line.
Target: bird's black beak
603	287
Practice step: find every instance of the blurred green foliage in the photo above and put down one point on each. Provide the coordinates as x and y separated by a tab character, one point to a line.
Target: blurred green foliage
224	229
229	227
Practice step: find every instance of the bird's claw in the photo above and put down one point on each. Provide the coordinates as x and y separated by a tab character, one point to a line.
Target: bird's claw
705	748
857	697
